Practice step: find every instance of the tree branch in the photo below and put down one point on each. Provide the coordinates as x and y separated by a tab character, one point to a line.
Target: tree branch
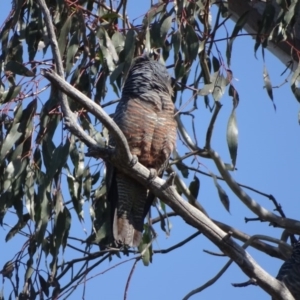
190	214
227	265
166	192
96	110
290	224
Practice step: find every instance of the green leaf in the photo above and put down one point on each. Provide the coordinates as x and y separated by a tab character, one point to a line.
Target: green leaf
216	64
232	136
194	187
116	72
129	49
4	34
71	52
206	90
43	207
87	184
63	36
118	41
267	18
224	9
291	12
8	269
12	172
15	49
152	12
265	26
222	194
58	159
29	190
190	43
110	16
80	168
74	153
76	198
268	85
257	44
165	27
145	247
37	159
176	40
183	169
10	94
240	23
95	177
29	269
219	87
20	225
12	137
27	116
18	68
44	285
34	32
108	49
295	82
62	226
235	96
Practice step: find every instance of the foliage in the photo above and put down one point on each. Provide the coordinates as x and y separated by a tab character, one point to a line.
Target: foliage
46	179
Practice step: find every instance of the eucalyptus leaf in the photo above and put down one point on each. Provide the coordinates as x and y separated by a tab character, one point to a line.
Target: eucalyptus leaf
64	34
195	186
222	194
10	94
71	51
12	137
268	85
17	68
232	136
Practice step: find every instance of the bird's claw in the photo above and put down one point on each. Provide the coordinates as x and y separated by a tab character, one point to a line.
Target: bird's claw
133	161
152	175
171	178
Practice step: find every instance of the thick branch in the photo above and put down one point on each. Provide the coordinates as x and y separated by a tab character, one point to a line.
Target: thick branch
93	108
190	214
160	188
198	220
264	214
244	237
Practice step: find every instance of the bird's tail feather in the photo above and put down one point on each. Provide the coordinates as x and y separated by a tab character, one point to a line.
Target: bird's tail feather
129	211
125	232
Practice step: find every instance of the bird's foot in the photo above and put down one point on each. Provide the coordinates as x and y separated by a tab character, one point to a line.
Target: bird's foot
133	161
152	175
170	179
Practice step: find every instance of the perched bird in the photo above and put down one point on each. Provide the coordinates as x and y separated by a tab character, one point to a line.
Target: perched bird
289	273
145	114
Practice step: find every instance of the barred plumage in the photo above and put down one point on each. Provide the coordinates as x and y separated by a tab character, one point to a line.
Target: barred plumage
145	114
289	273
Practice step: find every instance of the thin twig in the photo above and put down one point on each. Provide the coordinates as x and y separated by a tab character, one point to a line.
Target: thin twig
164	251
210	128
227	265
213	253
130	276
260	211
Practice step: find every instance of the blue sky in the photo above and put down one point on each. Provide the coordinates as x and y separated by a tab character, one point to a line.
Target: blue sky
268	160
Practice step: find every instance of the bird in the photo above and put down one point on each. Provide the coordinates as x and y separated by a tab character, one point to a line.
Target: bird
289	273
145	115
